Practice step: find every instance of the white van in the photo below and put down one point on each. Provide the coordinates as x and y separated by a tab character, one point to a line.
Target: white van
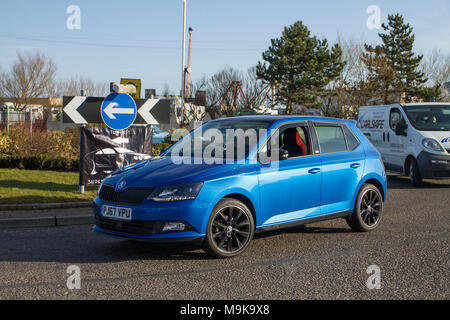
413	139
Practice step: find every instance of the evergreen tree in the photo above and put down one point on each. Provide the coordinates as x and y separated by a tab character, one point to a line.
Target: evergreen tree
299	65
398	41
381	76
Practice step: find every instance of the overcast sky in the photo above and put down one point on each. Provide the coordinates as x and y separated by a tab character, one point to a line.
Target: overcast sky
142	38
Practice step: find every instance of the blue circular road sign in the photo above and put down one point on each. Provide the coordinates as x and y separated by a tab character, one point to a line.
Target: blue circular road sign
118	111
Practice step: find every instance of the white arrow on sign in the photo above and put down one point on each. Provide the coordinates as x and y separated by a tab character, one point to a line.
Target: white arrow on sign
71	109
110	110
145	109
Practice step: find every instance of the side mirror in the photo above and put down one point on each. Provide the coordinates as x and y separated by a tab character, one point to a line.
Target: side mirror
283	154
400	129
267	157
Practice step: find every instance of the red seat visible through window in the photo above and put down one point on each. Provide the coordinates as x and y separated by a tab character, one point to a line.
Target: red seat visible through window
300	143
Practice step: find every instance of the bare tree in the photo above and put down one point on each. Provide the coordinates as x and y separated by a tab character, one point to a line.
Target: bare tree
31	77
436	67
217	85
74	85
256	91
341	97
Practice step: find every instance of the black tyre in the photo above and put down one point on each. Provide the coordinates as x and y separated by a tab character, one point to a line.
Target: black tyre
368	209
414	173
230	229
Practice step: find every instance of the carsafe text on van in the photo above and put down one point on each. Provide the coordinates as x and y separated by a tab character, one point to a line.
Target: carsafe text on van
413	139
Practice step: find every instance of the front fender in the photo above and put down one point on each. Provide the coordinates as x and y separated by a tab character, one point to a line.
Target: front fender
214	191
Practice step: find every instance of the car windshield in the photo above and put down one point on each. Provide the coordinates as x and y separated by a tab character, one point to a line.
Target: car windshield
225	138
429	117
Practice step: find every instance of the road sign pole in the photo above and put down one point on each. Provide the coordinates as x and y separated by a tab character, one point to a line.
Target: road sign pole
80	185
7	117
182	61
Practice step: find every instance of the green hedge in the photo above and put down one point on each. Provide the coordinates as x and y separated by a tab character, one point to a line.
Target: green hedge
159	147
40	162
43	162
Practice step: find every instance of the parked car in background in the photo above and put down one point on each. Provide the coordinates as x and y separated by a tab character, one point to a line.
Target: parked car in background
413	139
324	169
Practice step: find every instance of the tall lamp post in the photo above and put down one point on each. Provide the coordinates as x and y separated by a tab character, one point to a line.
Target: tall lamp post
182	61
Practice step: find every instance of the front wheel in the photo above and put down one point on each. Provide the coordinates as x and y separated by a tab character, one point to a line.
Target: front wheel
414	173
230	229
368	209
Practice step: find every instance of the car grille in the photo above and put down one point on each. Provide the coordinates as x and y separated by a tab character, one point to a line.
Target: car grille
130	196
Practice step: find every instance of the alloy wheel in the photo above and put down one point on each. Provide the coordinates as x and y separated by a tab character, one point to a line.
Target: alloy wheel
371	207
230	229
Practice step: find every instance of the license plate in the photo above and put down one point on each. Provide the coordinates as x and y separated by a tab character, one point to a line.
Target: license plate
119	213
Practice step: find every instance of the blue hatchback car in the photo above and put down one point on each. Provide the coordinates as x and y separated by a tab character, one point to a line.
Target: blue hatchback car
233	177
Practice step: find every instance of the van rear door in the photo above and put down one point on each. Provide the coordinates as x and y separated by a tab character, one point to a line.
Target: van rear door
373	123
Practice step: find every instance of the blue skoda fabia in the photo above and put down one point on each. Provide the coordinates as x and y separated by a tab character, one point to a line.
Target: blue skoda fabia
232	177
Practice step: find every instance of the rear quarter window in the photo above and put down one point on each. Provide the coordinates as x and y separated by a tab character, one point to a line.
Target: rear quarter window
352	141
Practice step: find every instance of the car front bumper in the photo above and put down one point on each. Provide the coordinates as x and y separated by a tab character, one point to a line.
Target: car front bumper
149	218
432	166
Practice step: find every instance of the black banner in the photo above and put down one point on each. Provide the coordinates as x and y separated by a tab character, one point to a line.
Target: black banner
103	150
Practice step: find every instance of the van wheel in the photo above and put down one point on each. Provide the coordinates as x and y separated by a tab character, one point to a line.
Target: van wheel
368	209
230	229
414	174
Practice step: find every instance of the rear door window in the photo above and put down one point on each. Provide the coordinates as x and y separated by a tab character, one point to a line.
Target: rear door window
331	138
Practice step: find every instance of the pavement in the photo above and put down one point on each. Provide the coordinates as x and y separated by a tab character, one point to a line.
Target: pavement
324	260
45	218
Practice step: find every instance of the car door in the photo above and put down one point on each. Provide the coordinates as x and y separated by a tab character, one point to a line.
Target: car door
290	189
342	157
395	151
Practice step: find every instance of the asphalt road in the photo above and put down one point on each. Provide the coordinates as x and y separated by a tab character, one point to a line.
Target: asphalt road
324	260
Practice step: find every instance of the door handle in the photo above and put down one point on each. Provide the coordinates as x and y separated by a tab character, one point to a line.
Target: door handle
314	170
355	165
388	137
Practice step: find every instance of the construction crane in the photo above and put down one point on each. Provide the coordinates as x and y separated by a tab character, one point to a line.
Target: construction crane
187	70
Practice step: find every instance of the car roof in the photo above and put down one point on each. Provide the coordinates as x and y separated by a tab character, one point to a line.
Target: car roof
282	118
429	104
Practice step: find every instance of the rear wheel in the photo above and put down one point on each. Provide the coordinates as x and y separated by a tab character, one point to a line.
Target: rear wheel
368	209
414	173
230	229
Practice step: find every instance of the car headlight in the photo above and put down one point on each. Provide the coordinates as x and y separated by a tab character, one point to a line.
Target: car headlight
432	144
179	192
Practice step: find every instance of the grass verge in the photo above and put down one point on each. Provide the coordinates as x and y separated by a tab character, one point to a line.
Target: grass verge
41	186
